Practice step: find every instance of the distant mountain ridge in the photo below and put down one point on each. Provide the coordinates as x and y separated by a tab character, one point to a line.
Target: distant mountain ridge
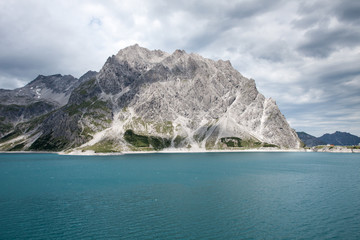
54	89
150	100
340	138
336	138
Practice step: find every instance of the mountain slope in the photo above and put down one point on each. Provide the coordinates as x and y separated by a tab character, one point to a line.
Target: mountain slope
142	100
309	140
42	95
340	138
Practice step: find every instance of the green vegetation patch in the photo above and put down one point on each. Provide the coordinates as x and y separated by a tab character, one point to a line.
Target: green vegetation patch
269	145
136	140
89	83
48	143
234	142
10	108
141	141
94	103
178	139
24	127
33	123
231	141
98	104
87	132
5	127
17	147
159	143
353	147
83	88
73	109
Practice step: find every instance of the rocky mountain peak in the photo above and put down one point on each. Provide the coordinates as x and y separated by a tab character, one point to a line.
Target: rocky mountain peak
137	56
179	52
57	83
54	89
193	93
88	75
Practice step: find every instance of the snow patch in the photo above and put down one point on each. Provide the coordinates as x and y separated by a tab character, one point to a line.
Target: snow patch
38	92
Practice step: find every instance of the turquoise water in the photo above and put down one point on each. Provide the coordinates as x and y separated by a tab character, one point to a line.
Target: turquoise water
180	196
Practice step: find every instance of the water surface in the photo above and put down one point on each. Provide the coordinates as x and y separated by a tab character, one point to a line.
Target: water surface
180	196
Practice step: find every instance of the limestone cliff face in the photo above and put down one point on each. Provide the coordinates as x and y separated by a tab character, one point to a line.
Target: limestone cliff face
193	101
144	99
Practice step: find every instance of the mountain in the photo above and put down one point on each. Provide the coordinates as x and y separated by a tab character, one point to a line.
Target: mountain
337	138
340	138
55	89
150	100
309	140
42	95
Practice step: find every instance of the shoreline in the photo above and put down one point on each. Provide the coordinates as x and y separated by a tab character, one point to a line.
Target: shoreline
92	153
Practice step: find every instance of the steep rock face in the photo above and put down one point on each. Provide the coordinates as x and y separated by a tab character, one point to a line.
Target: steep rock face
127	68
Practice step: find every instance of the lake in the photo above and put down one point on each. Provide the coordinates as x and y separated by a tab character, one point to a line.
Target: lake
180	196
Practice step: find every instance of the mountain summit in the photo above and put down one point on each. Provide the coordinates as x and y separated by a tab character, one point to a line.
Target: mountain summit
143	100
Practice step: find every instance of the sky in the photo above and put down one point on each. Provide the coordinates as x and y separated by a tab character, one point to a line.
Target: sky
303	54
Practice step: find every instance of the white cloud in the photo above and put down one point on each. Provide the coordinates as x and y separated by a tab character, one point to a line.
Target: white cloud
305	55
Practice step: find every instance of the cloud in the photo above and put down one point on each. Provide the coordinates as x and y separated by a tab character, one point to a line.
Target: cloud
322	42
303	54
328	27
348	11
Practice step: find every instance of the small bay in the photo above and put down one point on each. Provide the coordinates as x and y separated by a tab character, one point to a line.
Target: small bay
180	196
